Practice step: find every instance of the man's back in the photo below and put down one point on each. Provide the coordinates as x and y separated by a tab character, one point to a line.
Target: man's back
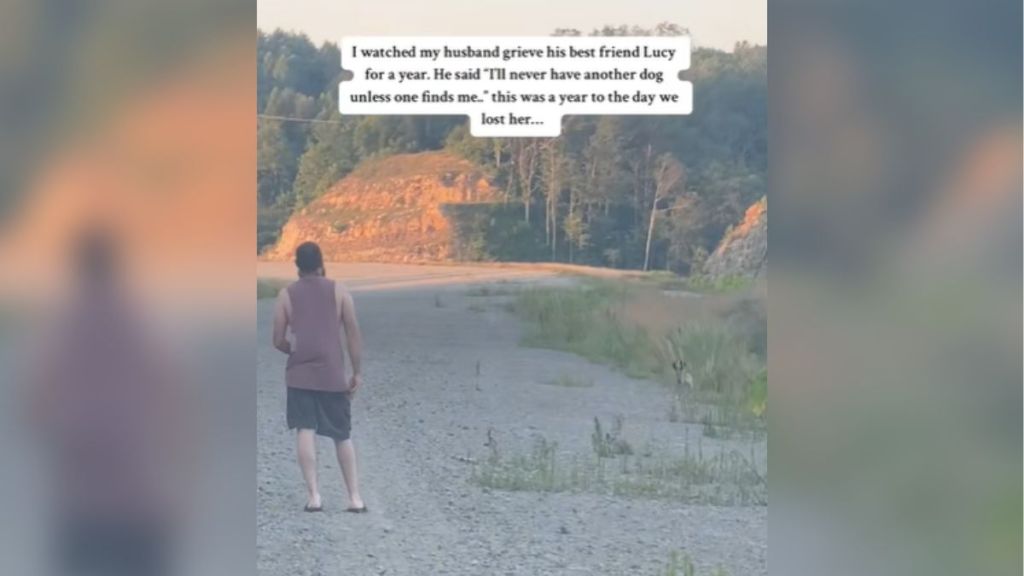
319	397
314	316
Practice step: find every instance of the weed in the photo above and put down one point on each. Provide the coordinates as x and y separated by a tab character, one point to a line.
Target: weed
711	429
609	444
683	566
757	399
724	478
536	471
492	444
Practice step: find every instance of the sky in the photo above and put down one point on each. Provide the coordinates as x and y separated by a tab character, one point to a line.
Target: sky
712	23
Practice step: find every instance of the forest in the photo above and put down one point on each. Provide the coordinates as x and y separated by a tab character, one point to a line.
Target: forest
641	192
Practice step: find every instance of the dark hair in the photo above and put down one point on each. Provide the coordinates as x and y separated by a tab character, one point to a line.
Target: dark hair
308	258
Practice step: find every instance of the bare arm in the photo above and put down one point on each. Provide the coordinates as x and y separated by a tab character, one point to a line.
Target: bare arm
353	336
281	323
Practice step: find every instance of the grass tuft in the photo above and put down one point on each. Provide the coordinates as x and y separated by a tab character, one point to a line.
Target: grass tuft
611	443
682	565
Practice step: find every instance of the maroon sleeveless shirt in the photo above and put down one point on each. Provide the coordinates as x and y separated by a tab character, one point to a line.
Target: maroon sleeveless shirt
317	361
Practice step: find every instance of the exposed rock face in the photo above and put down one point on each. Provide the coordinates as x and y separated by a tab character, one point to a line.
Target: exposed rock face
389	210
743	251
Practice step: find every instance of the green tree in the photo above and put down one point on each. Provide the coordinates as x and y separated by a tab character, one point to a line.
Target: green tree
330	157
276	163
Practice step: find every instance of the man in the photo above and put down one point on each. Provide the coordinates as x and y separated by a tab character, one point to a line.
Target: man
112	416
315	309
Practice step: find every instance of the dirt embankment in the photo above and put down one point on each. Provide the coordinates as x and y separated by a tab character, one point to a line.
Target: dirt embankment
743	252
389	210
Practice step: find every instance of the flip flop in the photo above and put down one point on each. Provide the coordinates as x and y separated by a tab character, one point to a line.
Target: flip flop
353	510
309	508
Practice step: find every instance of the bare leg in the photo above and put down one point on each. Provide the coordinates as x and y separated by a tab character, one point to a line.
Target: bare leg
347	460
307	462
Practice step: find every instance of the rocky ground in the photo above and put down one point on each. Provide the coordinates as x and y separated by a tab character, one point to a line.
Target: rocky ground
443	372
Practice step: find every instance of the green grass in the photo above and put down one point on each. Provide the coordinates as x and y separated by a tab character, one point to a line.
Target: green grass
723	285
718	360
583	321
730	383
701	284
723	355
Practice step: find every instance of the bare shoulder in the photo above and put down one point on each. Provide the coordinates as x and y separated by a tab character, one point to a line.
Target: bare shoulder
341	293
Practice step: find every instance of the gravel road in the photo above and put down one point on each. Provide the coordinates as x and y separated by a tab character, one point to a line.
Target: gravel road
424	411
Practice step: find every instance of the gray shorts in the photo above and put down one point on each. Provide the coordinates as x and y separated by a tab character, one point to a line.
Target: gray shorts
327	413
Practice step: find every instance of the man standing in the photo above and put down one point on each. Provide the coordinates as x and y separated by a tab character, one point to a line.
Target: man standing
315	309
111	415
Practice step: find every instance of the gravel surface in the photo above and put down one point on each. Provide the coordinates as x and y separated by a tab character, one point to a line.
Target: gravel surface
424	411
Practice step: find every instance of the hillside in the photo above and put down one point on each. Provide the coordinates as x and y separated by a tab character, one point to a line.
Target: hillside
583	198
744	249
390	209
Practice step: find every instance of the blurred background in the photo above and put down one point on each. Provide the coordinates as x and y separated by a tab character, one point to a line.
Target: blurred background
895	331
127	161
895	162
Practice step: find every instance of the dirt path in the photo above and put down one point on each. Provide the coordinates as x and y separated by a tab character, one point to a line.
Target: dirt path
424	410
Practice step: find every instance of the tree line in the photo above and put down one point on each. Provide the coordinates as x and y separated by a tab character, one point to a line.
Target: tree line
624	191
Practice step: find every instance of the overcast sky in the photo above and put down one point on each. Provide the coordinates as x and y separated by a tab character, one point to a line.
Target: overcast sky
712	23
